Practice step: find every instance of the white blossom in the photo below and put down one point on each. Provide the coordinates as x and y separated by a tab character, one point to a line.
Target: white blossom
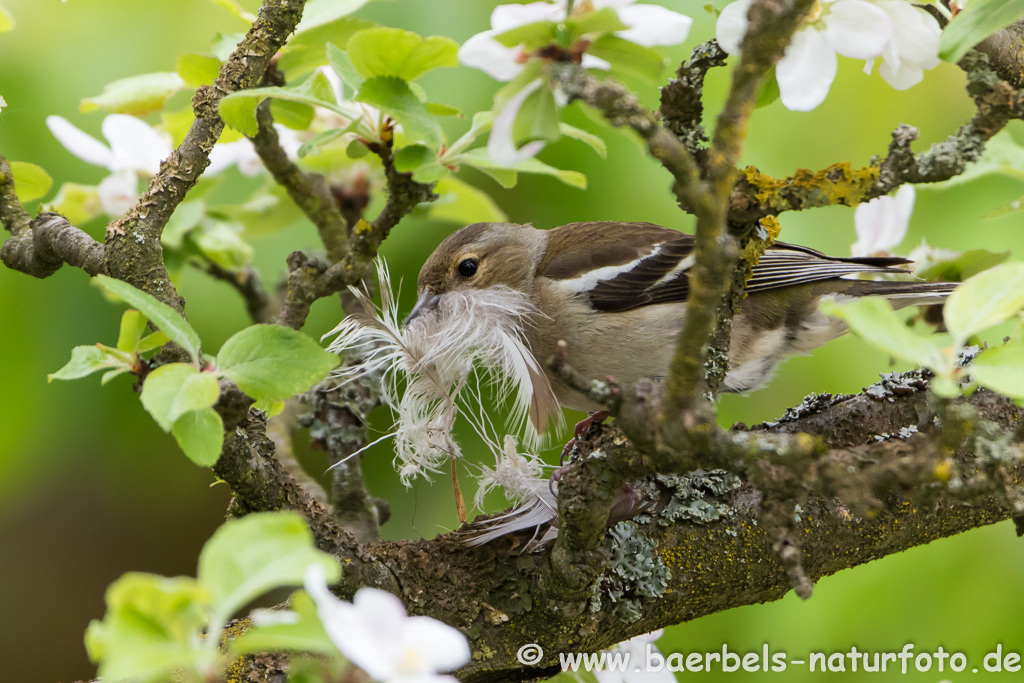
3	103
852	28
925	256
914	46
648	25
135	149
882	223
501	146
376	634
635	671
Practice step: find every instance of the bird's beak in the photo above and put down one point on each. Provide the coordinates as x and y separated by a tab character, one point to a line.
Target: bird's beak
426	303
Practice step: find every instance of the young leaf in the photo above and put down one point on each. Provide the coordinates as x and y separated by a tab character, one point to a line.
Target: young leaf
602	21
323	21
393	52
151	629
343	66
873	320
86	360
78	203
249	556
975	23
137	95
987	299
477	158
133	325
273	363
176	388
239	109
629	59
30	181
394	97
294	115
461	203
1001	369
152	341
197	70
530	36
304	633
413	156
596	142
159	313
200	433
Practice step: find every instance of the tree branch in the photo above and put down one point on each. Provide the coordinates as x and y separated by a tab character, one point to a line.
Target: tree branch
682	100
247	282
133	251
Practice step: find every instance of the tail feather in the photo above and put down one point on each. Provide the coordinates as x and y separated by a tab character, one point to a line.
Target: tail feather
902	294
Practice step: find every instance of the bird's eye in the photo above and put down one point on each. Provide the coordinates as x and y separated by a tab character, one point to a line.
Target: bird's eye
468	267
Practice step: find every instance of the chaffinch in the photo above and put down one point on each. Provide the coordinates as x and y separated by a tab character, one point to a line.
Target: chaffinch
616	294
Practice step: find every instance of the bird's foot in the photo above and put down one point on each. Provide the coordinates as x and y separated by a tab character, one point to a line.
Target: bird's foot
581	429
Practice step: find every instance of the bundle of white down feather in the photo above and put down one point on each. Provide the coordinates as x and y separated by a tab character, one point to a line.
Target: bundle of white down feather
442	366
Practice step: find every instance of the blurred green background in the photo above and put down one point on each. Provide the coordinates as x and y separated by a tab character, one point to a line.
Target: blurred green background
90	488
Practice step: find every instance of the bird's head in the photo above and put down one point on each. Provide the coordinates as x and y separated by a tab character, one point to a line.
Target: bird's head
477	257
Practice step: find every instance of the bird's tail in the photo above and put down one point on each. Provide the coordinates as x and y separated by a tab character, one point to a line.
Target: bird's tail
901	294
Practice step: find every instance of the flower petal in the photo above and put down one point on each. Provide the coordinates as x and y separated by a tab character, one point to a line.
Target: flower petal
901	77
442	647
653	25
592	62
381	612
501	148
732	25
483	52
915	33
343	623
118	193
507	17
858	29
806	71
136	144
81	144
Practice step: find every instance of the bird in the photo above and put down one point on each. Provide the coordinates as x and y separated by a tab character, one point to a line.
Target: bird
615	294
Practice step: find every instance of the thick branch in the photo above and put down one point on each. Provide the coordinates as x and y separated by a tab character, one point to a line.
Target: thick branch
46	243
133	251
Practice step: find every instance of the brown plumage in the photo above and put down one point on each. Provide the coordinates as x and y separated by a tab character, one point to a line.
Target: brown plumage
616	294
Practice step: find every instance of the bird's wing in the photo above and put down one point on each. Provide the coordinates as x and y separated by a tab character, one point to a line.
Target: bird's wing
621	266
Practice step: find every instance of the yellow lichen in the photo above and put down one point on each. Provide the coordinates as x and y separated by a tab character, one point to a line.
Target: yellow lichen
839	184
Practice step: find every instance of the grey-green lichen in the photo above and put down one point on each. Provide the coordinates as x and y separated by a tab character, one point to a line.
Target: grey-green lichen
634	571
690	499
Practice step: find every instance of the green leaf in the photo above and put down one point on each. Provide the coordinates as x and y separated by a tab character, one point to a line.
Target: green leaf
30	181
530	36
222	243
356	149
321	139
6	20
386	51
477	158
249	556
152	341
136	95
412	157
461	203
273	363
78	203
200	434
294	115
769	90
987	299
596	142
438	109
133	325
160	314
537	118
239	109
152	628
629	59
197	70
394	97
975	23
307	634
343	66
602	21
86	360
873	320
963	266
174	389
1001	369
323	21
111	374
